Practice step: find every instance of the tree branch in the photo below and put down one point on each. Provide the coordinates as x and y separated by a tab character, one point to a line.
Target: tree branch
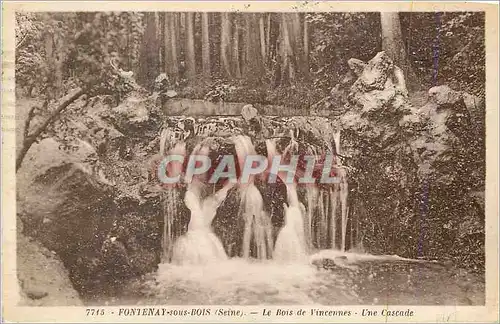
30	116
22	40
30	139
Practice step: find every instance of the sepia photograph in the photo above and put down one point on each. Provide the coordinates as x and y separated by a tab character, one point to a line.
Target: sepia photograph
227	158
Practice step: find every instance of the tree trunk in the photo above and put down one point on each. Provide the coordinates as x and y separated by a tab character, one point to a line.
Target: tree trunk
286	51
268	37
262	37
49	53
160	35
306	49
58	69
148	66
392	44
236	48
176	36
254	68
297	44
167	34
225	42
294	45
190	54
205	46
171	62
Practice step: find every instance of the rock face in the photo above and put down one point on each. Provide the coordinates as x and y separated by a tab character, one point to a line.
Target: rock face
42	277
316	131
421	167
84	203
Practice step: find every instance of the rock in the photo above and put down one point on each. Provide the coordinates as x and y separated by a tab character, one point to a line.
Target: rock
44	281
443	94
171	93
131	114
36	294
376	99
343	262
357	66
45	155
249	112
315	131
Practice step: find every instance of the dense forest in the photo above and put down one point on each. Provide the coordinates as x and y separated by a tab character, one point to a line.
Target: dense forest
294	59
406	89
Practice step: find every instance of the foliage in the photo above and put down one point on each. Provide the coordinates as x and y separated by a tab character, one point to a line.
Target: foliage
336	38
220	92
75	49
452	43
30	69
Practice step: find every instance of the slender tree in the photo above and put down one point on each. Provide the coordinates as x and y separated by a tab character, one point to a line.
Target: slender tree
225	44
162	35
262	34
254	64
168	36
305	62
286	51
148	65
189	47
393	45
205	45
268	37
236	48
171	61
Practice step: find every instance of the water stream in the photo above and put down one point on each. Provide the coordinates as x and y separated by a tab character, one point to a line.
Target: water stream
301	261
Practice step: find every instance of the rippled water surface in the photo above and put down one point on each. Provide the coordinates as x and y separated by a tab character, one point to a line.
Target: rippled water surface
333	278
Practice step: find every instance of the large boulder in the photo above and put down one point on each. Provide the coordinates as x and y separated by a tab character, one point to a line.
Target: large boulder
78	194
43	279
414	168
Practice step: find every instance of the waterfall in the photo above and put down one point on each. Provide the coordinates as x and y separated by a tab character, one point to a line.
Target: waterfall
343	200
317	226
334	196
343	191
291	244
200	245
169	200
312	194
257	222
171	195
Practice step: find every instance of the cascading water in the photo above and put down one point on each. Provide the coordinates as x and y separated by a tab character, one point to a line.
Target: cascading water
200	245
312	227
312	193
343	190
257	222
291	242
169	200
343	200
196	269
334	196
